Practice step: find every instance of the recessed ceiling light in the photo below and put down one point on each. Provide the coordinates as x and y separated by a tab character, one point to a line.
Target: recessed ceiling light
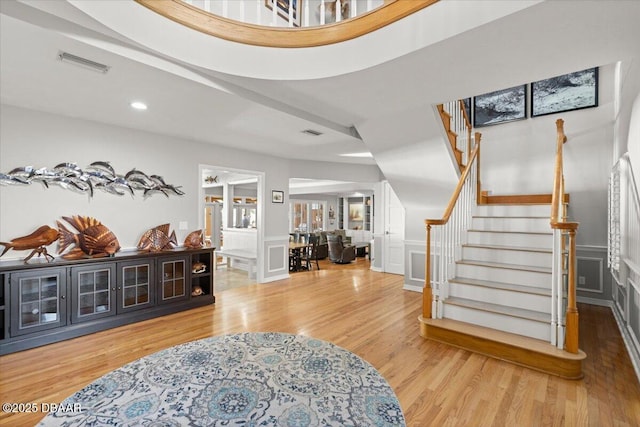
139	105
364	154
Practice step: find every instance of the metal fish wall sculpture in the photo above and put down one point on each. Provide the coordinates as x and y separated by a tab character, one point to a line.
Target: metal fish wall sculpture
98	175
37	241
93	239
158	239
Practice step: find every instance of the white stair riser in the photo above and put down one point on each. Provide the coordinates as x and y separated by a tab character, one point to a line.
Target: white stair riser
513	210
504	297
517	257
503	275
515	325
510	239
539	224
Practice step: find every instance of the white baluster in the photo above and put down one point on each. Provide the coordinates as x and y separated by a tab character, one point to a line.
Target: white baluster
306	14
338	10
369	5
290	13
322	10
274	13
241	12
225	8
259	12
207	5
352	8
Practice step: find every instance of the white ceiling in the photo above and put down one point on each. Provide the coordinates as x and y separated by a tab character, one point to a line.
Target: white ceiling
268	116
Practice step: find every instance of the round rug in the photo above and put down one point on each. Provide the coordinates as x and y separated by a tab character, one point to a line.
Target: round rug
248	379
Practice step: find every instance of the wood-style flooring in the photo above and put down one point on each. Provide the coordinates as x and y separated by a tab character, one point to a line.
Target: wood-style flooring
371	315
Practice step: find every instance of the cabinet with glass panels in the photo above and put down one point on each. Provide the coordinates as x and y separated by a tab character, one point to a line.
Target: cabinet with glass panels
42	302
174	279
38	300
93	292
136	285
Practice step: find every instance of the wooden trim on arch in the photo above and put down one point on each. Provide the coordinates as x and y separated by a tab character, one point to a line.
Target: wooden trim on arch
259	35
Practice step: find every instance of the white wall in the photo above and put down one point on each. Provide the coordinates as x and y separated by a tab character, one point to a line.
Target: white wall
29	137
519	157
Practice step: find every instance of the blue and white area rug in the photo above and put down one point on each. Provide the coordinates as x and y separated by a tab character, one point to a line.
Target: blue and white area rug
248	379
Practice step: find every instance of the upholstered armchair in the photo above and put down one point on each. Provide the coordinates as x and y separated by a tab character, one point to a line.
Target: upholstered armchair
338	252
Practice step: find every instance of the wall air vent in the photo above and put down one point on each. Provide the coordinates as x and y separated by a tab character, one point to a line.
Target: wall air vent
83	62
312	132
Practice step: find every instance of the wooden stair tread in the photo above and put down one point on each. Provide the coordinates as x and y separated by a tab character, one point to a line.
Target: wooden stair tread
503	286
531	268
500	309
532	344
507	248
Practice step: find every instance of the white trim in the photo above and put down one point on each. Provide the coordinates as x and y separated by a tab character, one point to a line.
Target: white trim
628	342
284	259
275	278
424	255
593	248
412	288
600	289
595	301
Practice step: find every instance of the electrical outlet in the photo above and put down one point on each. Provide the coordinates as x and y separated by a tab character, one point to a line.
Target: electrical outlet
581	280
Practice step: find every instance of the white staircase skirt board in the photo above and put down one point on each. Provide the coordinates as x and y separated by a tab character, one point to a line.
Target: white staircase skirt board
508	255
457	309
513	210
525	297
506	273
504	238
504	223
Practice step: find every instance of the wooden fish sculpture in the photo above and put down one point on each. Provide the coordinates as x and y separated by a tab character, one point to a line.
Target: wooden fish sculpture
37	241
93	239
194	240
157	239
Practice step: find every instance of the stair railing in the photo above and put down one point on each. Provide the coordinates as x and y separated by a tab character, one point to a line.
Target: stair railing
458	127
564	321
624	227
448	235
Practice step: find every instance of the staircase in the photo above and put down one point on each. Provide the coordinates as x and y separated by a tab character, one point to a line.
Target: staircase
499	300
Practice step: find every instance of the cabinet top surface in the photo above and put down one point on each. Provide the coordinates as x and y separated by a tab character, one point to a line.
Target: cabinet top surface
19	264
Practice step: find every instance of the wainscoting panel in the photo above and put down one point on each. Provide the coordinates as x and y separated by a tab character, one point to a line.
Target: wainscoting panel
595	283
414	268
590	275
276	260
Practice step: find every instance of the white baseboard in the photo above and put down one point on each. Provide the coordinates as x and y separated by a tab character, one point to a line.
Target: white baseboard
274	278
376	269
412	288
634	355
595	301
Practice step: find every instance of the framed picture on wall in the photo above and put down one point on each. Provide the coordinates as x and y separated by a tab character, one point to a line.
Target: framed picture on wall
283	9
277	196
567	92
501	106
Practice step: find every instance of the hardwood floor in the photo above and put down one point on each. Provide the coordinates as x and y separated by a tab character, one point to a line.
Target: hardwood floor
369	314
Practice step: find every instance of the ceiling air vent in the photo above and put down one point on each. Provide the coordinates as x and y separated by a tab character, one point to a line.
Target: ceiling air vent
312	132
83	62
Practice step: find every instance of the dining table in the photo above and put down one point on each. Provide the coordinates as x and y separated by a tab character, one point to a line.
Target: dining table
295	255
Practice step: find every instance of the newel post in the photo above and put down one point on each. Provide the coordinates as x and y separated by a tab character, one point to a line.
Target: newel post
571	337
427	293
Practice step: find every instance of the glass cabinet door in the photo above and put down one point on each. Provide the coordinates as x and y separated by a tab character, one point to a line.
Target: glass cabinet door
135	285
38	300
174	280
93	292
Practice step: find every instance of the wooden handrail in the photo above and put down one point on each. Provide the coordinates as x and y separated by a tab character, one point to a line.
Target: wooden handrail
558	222
427	293
259	35
456	193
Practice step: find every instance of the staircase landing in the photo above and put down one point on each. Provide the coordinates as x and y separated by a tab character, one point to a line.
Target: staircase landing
518	349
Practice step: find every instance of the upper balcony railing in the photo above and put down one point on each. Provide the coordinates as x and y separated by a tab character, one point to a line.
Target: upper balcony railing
291	23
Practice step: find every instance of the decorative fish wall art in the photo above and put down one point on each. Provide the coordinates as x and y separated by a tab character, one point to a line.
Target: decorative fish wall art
93	239
98	175
158	239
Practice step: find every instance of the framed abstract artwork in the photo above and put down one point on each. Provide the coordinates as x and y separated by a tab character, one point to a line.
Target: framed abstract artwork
501	106
567	92
277	196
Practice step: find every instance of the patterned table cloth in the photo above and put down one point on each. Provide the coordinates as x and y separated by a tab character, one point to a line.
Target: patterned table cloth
248	379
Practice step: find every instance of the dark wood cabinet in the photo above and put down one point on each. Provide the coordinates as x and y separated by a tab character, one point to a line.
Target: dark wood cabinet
42	302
